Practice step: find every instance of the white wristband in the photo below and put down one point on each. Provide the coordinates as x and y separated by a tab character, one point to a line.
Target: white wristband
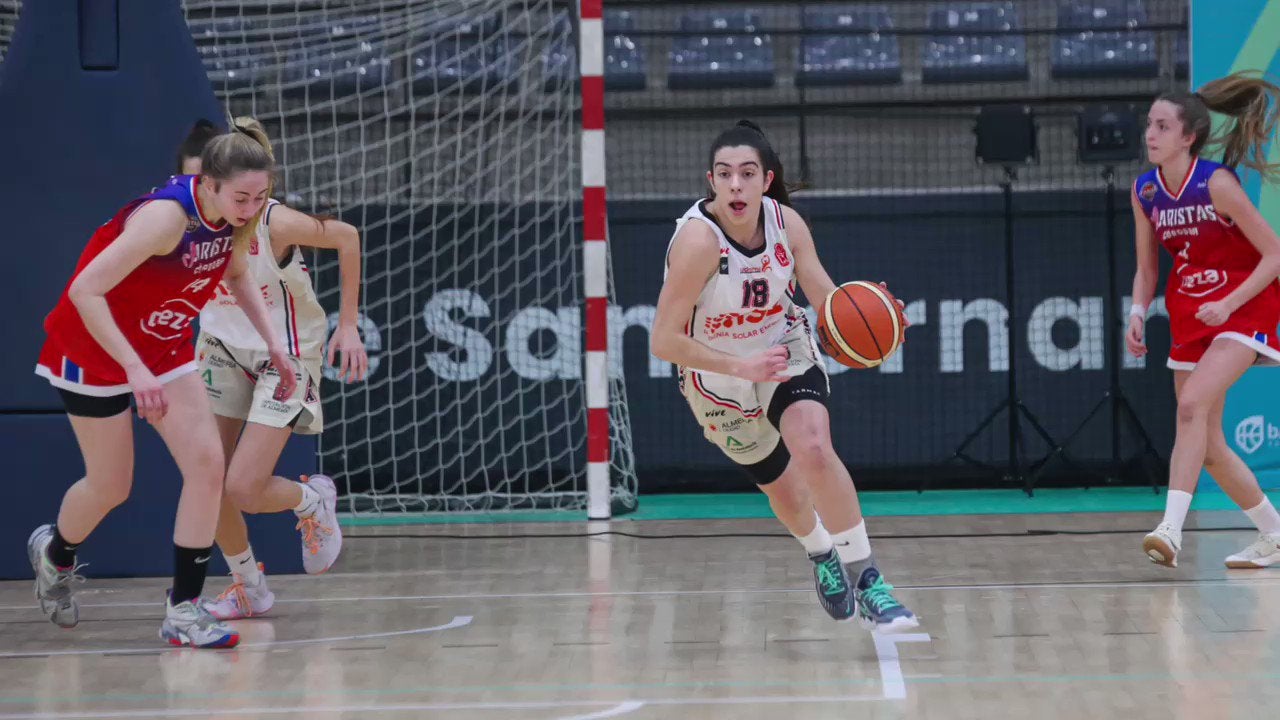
1138	311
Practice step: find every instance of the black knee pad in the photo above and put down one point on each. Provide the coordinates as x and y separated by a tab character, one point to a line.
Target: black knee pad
770	468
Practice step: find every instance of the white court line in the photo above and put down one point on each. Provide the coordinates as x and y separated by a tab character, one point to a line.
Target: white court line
457	622
895	688
730	591
619	709
437	707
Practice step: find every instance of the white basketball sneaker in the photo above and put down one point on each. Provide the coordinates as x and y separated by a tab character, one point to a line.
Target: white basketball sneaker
1264	552
189	623
241	601
321	536
54	586
1162	545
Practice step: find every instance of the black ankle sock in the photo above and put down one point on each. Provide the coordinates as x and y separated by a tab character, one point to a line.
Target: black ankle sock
189	568
62	553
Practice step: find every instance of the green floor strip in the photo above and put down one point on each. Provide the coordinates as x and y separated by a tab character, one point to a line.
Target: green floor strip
874	504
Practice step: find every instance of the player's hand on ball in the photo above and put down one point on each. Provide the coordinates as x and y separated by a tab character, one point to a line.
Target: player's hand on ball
1134	341
766	366
906	322
347	345
148	394
1213	313
284	368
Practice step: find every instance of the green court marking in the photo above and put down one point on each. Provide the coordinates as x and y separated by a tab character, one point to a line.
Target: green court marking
745	506
50	704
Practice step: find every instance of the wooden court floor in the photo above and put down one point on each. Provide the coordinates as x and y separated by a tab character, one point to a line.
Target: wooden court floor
537	621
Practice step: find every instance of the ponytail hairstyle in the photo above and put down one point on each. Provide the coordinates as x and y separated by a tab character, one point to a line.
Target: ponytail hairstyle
196	141
749	134
1251	101
245	149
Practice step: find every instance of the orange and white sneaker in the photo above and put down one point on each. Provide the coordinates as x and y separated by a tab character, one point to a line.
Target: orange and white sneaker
241	601
321	536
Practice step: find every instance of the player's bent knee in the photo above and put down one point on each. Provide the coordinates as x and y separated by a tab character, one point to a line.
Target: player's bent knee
112	491
244	491
1193	409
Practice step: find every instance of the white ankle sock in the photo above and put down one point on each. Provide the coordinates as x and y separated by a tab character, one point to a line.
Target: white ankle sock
853	544
310	501
245	566
818	541
1265	517
1176	505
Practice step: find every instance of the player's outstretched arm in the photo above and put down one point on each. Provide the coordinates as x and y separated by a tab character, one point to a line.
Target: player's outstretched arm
290	227
812	276
154	229
1145	277
693	259
242	286
1230	200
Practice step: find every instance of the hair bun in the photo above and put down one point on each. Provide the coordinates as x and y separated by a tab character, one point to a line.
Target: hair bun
750	125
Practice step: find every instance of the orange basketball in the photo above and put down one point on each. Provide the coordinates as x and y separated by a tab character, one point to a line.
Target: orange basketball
860	324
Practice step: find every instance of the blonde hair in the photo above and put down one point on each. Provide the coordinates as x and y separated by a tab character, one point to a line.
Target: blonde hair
245	149
1250	100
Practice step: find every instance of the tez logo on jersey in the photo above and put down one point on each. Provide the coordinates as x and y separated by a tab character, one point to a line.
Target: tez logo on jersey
170	320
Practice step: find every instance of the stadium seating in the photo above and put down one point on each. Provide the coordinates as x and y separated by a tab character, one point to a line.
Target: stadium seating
624	63
871	57
439	60
963	50
356	60
1100	40
740	60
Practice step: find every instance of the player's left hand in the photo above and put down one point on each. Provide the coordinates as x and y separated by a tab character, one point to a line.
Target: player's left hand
1213	313
284	368
902	308
347	344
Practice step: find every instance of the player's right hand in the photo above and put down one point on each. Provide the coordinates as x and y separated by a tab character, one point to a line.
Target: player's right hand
1134	340
148	394
766	366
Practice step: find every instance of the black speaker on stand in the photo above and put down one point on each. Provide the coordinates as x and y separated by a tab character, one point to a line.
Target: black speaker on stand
1007	137
1108	136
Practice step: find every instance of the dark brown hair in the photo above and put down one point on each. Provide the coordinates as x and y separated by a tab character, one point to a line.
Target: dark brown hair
748	134
1246	97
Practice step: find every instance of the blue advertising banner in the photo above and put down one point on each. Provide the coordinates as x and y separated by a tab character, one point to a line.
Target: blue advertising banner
1225	38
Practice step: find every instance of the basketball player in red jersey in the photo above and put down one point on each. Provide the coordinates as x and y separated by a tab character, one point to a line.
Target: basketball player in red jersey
750	369
1222	295
122	327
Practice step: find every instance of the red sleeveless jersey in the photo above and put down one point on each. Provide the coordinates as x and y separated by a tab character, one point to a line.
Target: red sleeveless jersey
154	305
1211	258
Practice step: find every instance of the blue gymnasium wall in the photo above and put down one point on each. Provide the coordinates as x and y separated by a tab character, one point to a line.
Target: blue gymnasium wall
1227	37
95	95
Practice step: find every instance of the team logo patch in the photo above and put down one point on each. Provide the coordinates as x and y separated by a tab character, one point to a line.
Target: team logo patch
192	224
253	246
1148	191
780	252
310	396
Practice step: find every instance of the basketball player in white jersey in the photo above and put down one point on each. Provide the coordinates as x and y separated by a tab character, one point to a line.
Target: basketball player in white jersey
253	422
750	370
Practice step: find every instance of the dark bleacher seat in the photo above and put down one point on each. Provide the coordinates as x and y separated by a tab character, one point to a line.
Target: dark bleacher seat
232	66
1102	39
455	57
625	64
341	58
871	57
959	51
741	60
559	59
